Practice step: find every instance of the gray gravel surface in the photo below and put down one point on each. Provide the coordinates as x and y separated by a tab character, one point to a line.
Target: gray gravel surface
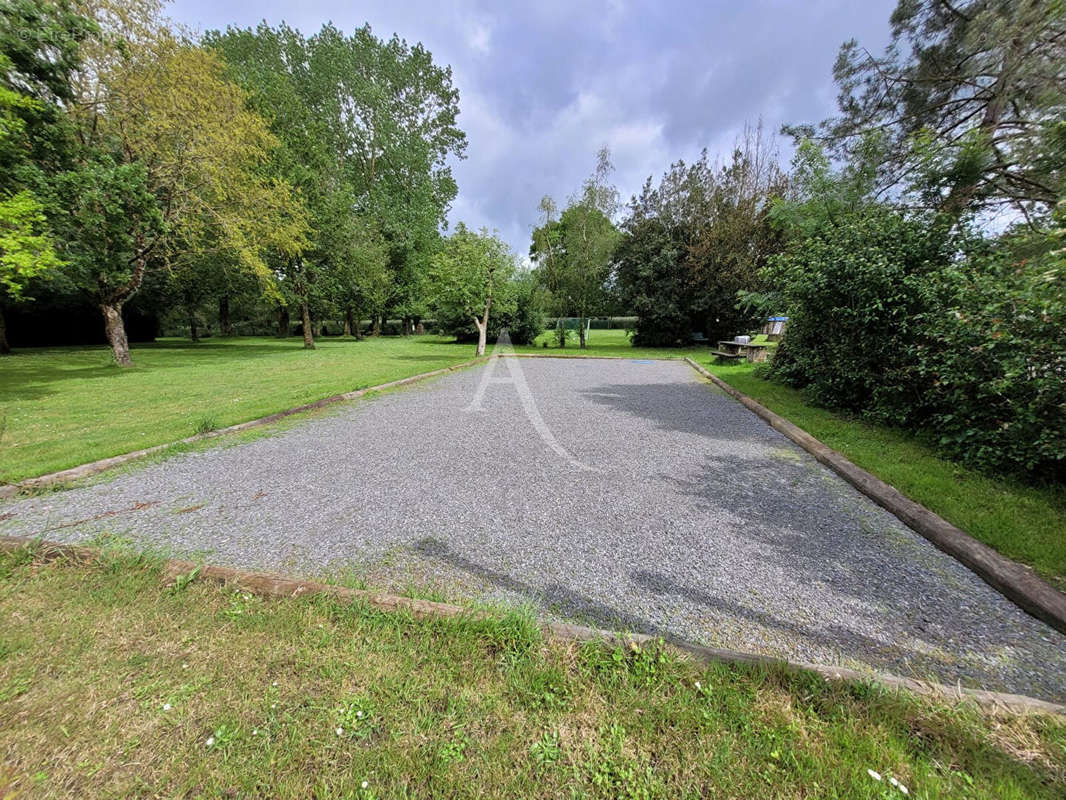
698	522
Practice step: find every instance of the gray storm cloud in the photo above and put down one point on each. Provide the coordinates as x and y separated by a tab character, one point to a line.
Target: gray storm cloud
543	85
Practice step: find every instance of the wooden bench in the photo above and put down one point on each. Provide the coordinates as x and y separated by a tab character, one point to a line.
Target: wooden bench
726	356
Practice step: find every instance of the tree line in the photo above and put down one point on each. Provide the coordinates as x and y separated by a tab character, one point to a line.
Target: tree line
306	177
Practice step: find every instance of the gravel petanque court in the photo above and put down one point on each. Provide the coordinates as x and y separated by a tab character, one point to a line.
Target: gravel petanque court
697	521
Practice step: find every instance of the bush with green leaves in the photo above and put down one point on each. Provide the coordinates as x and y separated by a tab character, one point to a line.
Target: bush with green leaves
908	321
857	293
994	370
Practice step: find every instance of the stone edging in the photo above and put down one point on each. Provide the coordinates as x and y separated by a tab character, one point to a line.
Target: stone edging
1016	582
278	586
94	467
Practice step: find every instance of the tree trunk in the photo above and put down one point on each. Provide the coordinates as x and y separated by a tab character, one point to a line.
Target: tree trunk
194	332
347	322
376	330
403	325
581	333
483	327
420	329
116	333
5	348
283	323
562	335
225	327
309	338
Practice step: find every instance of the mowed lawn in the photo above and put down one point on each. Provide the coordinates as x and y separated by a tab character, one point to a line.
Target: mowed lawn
68	406
114	685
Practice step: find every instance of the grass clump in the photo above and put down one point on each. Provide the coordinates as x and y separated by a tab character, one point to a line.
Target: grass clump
114	685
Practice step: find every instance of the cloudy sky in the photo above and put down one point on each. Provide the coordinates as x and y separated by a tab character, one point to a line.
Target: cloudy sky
544	84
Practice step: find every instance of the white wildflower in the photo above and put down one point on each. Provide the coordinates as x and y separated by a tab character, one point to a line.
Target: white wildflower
359	714
166	706
875	775
184	666
210	741
255	731
275	683
340	731
365	784
698	686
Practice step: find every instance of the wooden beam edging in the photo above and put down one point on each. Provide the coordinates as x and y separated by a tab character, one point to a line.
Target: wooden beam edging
1017	582
264	584
95	467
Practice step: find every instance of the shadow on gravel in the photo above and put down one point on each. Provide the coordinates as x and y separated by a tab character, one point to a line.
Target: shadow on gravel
694	408
813	530
568	602
554	596
832	636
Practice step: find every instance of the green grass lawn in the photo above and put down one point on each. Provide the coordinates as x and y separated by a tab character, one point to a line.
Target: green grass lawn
1023	522
112	685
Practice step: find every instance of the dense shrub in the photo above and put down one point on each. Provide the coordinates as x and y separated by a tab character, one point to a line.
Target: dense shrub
897	318
856	293
997	378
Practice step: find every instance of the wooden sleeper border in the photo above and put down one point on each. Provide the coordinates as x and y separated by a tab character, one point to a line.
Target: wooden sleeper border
270	585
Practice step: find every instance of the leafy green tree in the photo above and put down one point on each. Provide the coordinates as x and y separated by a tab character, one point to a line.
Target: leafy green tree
695	243
470	276
367	127
963	99
170	155
25	248
38	53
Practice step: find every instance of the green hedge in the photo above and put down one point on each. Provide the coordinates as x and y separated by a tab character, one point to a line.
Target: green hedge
899	318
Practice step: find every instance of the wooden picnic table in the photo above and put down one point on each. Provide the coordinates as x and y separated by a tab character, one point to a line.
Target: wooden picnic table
755	353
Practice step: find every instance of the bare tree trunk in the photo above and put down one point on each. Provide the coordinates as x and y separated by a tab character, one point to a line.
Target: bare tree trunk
348	322
194	332
116	333
376	330
420	329
483	327
581	333
225	327
283	323
403	326
5	348
309	338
